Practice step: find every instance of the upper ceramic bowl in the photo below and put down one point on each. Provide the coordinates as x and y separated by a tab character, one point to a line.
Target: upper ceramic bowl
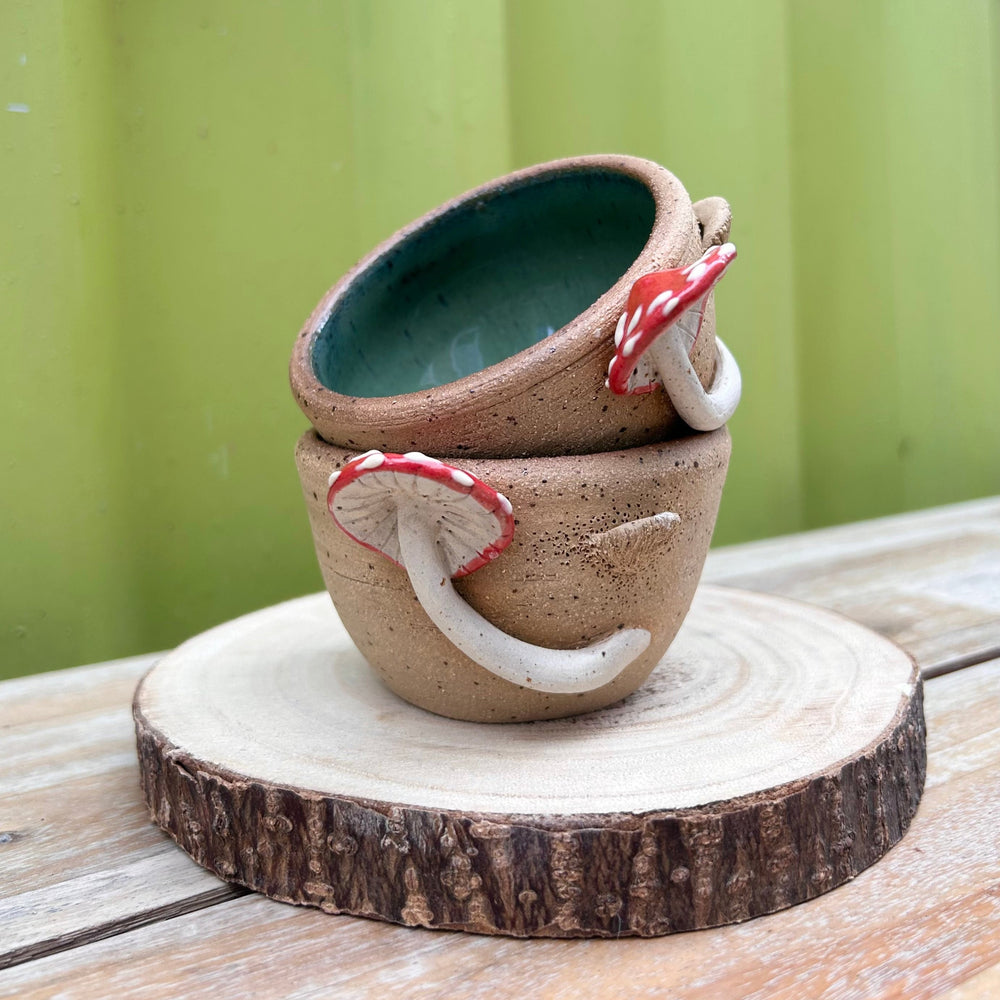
486	327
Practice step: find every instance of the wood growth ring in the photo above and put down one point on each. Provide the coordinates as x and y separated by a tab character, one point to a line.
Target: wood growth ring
776	752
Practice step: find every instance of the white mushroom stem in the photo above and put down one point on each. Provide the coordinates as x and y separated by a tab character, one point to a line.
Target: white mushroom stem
700	410
559	671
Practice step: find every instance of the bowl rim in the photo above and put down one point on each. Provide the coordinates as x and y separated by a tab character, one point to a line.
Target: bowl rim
561	471
673	234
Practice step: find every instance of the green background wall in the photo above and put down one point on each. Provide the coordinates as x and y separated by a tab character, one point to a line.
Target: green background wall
183	180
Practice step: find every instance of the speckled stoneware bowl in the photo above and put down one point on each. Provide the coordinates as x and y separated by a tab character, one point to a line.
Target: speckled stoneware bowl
602	544
486	327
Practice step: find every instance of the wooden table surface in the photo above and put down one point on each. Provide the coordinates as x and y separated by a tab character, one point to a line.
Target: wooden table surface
97	902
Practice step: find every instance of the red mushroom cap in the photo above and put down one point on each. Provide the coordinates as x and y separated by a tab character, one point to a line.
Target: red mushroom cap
658	301
475	523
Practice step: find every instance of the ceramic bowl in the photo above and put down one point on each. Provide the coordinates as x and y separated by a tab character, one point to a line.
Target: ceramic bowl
567	578
486	327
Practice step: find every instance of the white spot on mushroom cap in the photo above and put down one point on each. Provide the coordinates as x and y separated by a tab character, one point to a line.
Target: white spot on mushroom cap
630	345
660	299
727	250
372	460
505	504
419	456
634	321
697	271
334	476
620	329
462	478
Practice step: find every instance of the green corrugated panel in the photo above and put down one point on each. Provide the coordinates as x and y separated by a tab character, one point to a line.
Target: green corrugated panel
265	152
944	248
64	583
894	197
846	328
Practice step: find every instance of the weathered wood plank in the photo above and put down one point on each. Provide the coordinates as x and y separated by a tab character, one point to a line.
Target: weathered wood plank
923	920
928	580
71	692
984	986
69	796
68	778
78	858
73	828
79	861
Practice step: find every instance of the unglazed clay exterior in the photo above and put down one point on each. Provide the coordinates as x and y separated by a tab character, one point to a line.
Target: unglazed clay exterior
549	398
566	580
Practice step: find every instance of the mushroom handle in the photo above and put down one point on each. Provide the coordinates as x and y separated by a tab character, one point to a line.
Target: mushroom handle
559	671
700	409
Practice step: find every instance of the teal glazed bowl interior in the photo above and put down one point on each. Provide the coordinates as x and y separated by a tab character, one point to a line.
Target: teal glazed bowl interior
485	327
492	277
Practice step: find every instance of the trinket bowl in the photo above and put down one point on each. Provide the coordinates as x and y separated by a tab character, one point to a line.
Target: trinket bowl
486	327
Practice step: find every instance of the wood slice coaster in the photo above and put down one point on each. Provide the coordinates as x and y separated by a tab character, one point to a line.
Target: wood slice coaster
776	751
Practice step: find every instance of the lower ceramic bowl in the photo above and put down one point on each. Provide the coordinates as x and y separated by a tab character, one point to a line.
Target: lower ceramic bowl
604	545
486	327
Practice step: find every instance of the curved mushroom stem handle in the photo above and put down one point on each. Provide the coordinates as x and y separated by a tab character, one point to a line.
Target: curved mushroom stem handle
700	409
561	671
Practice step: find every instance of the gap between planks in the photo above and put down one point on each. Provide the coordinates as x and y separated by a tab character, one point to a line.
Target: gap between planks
116	891
960	662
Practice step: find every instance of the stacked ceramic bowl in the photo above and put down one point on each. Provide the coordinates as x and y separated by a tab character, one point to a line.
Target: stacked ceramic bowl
518	447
